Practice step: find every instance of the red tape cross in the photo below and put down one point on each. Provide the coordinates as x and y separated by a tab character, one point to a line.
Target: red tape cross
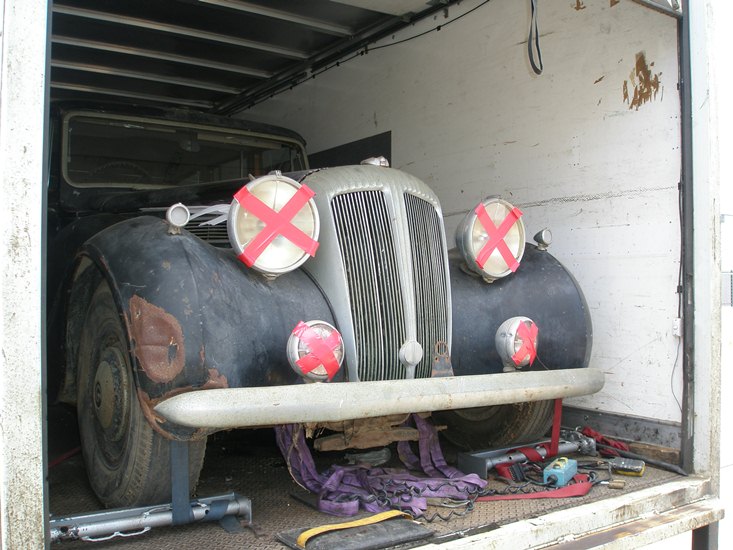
529	342
321	350
496	237
276	223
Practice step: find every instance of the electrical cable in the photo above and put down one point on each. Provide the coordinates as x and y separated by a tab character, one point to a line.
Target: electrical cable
298	81
534	36
434	29
679	299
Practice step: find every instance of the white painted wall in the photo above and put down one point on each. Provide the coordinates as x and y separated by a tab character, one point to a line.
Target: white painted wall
469	117
23	511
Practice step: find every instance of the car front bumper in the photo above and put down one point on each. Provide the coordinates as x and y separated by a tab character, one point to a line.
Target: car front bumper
324	402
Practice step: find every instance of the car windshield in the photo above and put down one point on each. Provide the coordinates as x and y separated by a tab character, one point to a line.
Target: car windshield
103	151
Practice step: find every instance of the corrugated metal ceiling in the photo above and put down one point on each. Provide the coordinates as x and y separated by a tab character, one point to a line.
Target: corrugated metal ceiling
216	55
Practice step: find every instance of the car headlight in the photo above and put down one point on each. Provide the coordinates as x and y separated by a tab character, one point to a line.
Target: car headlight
273	224
516	342
491	238
315	350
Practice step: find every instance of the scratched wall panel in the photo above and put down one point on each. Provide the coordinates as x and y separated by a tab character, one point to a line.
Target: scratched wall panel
589	149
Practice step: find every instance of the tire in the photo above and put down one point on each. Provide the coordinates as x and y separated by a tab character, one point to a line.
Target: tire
497	426
127	462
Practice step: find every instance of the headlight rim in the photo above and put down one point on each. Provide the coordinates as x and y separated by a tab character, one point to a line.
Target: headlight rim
465	241
240	245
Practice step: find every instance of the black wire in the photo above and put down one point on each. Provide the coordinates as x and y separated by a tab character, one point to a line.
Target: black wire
680	284
365	51
434	29
537	357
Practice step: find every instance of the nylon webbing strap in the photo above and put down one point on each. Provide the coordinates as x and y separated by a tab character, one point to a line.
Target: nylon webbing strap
534	35
305	536
581	487
344	490
556	422
181	507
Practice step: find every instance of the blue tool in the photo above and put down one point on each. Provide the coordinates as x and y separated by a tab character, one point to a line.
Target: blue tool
560	471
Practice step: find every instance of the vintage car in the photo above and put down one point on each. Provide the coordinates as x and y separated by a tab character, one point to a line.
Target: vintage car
202	277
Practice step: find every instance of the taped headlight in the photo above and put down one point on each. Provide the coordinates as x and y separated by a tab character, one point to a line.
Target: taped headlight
516	342
315	350
491	238
273	224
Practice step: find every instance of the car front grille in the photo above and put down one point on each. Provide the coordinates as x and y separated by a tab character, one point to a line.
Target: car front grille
429	274
369	256
215	235
371	246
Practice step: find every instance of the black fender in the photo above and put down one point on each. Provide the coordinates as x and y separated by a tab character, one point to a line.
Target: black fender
63	245
541	289
196	317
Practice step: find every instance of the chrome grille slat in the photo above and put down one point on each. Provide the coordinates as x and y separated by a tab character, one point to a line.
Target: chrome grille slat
368	253
430	279
353	255
215	235
393	301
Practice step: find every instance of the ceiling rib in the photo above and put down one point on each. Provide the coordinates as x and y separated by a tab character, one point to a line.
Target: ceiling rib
200	104
256	9
163	56
99	69
223	56
338	50
177	30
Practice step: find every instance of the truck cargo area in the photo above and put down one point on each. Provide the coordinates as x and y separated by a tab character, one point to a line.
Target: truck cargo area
225	216
248	463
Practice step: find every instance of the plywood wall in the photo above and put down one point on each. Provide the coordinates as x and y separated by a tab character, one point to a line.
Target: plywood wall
590	149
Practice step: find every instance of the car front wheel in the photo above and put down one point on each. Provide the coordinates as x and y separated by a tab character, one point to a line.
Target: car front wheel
497	426
128	463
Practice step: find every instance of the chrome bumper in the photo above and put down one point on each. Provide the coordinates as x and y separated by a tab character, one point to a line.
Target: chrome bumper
323	402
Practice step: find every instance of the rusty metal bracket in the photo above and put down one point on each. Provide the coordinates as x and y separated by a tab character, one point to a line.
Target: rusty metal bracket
441	360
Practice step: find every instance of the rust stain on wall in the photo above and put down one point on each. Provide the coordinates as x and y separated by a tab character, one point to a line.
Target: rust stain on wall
579	5
643	82
614	2
158	340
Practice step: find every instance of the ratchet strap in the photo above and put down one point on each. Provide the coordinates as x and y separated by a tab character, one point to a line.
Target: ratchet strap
581	487
612	446
305	536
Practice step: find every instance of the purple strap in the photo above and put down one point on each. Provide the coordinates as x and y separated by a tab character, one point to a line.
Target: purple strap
344	490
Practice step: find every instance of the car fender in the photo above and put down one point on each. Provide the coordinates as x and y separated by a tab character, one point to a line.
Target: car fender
196	317
543	290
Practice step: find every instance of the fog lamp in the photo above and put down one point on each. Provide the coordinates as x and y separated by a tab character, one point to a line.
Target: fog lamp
177	217
491	238
315	350
273	224
516	342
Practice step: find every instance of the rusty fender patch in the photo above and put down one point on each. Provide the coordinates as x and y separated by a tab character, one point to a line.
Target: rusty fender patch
157	422
158	340
644	83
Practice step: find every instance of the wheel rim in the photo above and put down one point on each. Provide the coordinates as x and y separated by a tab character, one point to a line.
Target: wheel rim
110	395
